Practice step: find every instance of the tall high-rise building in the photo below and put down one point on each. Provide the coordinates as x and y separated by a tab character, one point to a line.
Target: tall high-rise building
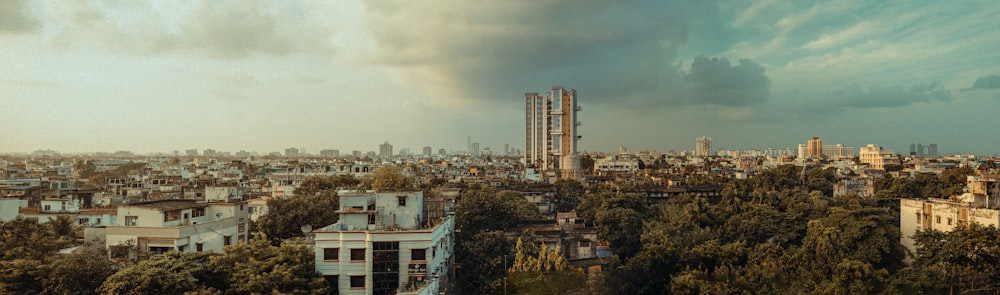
474	149
932	150
703	147
815	147
291	152
427	151
385	150
550	131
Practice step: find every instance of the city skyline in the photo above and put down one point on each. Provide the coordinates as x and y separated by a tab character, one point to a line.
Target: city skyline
349	75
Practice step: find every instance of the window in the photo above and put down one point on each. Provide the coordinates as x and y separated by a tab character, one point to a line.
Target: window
418	254
937	218
198	212
402	200
584	244
199	247
331	253
357	281
131	220
357	254
949	220
918	216
48	207
227	240
334	283
182	248
83	221
98	221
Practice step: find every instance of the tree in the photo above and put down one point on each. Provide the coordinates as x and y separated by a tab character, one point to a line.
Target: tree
484	209
856	246
286	216
390	179
26	239
482	257
964	260
77	273
173	273
62	226
257	267
548	272
621	227
567	195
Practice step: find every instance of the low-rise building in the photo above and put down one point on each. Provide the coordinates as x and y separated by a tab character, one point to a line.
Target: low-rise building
981	204
156	227
385	244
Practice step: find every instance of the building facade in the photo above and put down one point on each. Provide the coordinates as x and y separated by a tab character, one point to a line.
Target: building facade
981	204
387	243
385	150
157	227
551	132
703	147
815	147
876	157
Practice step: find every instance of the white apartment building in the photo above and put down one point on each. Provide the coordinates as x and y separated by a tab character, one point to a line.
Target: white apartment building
157	227
981	204
703	146
877	157
386	243
614	164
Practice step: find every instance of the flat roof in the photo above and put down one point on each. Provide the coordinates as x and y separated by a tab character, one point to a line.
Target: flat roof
168	205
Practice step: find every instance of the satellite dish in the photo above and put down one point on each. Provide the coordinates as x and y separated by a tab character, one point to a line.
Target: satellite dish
306	228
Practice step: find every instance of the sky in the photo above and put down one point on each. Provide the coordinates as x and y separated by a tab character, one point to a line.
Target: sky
159	76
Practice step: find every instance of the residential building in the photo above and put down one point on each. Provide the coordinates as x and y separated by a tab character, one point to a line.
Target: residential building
387	243
838	151
551	132
614	164
815	147
703	147
980	204
427	151
329	153
877	157
291	152
157	227
385	150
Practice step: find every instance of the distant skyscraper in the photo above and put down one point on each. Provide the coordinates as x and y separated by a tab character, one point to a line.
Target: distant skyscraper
291	152
703	147
385	150
356	154
932	150
550	131
913	149
330	153
191	152
442	152
815	147
427	151
474	149
920	149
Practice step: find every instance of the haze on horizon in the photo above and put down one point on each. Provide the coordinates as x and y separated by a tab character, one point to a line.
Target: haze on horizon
266	75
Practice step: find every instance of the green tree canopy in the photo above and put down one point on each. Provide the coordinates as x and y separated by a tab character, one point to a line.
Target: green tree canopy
257	267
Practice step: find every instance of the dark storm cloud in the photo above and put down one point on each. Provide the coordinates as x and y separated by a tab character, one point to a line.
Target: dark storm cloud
987	82
888	96
15	17
611	53
715	81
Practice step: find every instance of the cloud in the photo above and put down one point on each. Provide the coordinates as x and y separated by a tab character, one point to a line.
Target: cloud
715	81
887	96
16	17
237	30
987	82
224	29
461	51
